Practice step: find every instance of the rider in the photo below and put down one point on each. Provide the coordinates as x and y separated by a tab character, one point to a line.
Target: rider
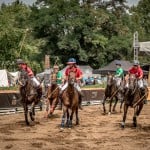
24	67
138	72
73	67
58	74
119	73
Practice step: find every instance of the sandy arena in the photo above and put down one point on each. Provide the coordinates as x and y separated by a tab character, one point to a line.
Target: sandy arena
95	132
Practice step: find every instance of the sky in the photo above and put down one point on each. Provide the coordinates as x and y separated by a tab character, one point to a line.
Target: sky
30	2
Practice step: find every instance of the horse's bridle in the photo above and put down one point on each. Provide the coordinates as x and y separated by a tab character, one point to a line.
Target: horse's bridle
135	86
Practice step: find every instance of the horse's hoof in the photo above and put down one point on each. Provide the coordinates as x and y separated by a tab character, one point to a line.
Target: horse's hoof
134	124
77	123
27	123
103	113
32	118
49	115
109	113
122	125
61	129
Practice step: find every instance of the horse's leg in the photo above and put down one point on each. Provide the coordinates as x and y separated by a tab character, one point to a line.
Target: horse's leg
77	117
26	113
67	122
116	101
124	115
63	116
110	104
134	117
53	106
137	111
140	108
103	102
32	111
121	105
71	117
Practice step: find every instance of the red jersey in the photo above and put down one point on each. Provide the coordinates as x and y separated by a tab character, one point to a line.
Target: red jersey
27	69
137	71
77	71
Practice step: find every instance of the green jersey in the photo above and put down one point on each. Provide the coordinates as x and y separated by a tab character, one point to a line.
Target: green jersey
119	72
59	77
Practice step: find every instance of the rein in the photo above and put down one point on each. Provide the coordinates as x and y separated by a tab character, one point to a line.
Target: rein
140	100
134	90
53	91
114	93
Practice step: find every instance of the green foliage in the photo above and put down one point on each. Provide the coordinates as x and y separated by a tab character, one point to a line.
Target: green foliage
93	34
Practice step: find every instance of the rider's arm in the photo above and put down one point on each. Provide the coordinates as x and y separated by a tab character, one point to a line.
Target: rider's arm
140	74
79	74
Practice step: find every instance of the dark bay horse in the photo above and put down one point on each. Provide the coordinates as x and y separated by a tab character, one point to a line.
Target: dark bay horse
29	95
52	95
112	91
70	102
134	98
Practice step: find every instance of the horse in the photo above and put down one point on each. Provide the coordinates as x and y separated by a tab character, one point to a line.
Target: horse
52	95
134	98
29	95
70	102
112	91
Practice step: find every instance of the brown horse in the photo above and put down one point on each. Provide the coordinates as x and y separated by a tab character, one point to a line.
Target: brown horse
52	95
29	95
112	91
70	101
134	98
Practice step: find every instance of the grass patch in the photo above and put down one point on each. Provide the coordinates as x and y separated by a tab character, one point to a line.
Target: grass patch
14	88
94	86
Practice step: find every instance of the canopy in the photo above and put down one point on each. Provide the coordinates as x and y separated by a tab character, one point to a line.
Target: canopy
145	46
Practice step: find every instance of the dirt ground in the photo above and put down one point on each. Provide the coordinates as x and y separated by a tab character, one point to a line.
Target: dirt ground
95	132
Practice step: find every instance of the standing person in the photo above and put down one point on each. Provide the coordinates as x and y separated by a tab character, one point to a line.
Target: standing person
36	84
119	73
138	72
72	67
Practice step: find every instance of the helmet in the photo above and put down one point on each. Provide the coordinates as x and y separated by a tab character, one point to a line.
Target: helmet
136	63
56	67
118	63
71	61
20	61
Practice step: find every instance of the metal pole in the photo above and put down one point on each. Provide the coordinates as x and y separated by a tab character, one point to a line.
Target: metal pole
136	45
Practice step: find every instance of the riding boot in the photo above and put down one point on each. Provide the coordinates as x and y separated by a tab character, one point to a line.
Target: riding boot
60	94
39	91
80	101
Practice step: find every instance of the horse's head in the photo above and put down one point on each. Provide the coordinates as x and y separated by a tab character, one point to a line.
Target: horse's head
23	78
132	82
72	78
110	79
53	78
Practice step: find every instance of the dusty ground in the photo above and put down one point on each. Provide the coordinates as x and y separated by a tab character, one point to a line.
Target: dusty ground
95	132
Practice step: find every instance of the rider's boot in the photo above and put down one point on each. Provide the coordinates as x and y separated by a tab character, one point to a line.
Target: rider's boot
80	100
39	92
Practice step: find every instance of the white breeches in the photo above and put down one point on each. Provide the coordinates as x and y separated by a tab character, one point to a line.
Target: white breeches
118	81
75	85
35	82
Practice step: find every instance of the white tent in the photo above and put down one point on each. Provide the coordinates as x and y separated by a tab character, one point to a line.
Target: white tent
8	78
4	78
13	76
145	46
